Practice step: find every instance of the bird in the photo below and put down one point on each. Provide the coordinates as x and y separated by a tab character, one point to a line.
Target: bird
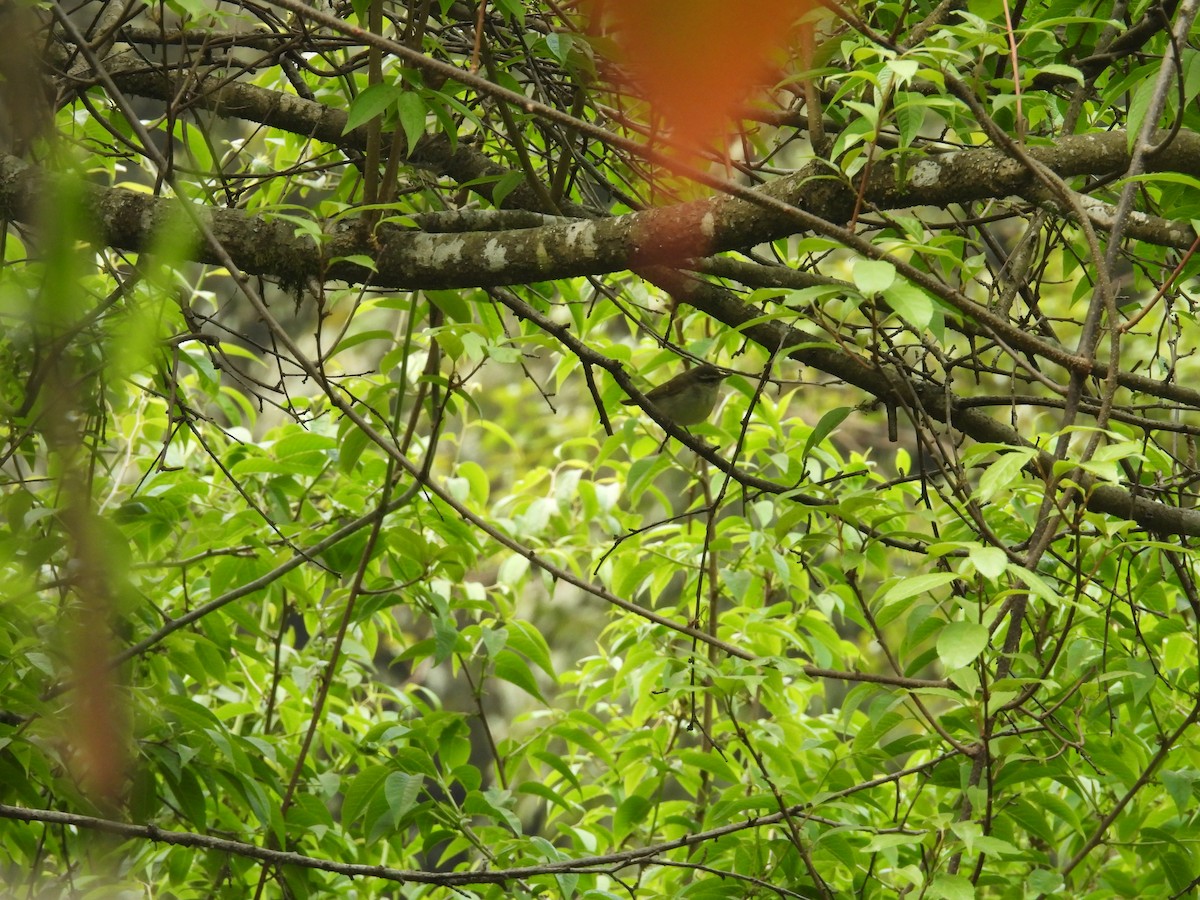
689	397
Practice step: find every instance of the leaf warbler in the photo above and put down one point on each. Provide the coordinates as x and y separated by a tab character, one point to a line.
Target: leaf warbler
689	397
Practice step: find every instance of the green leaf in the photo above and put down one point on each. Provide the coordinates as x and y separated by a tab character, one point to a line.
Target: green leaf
514	10
952	887
371	103
191	797
631	814
910	110
366	785
873	276
1179	785
362	337
559	765
302	442
1054	69
191	714
401	791
1044	881
914	586
960	643
453	304
477	479
911	303
990	562
1139	105
1002	474
447	640
868	738
559	45
505	186
546	793
514	670
350	449
825	427
525	638
410	107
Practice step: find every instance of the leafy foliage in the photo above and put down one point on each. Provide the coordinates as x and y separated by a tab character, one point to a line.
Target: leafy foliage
333	564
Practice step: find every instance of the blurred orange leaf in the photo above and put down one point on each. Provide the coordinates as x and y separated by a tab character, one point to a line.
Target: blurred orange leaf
697	60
